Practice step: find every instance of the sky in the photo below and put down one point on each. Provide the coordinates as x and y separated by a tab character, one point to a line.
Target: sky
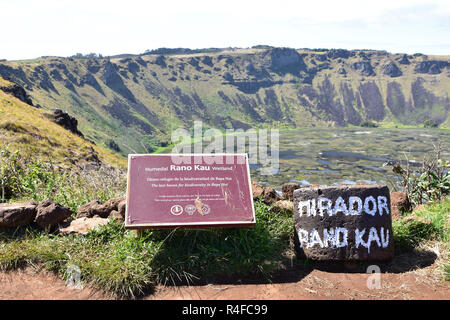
32	29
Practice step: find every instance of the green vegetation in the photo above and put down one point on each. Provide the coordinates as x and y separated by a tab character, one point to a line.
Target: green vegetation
431	182
369	124
22	178
430	124
427	225
130	98
115	260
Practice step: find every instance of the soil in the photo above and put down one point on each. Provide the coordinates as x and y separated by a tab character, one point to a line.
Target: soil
319	283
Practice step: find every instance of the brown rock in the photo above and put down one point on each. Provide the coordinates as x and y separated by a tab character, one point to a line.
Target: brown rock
83	225
121	208
282	205
93	208
116	215
17	214
270	195
257	190
113	204
50	213
343	223
399	204
288	190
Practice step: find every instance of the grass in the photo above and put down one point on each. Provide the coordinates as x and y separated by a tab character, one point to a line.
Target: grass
428	225
115	260
430	222
27	130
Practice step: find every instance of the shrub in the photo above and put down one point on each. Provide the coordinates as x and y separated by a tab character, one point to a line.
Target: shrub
430	124
72	187
369	124
430	183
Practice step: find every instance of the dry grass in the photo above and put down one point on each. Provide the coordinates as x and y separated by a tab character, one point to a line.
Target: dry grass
26	129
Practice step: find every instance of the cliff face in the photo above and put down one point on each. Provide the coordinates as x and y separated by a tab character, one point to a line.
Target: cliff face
134	100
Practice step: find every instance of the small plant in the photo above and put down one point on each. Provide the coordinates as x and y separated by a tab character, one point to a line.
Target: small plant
11	169
27	178
430	124
369	124
429	183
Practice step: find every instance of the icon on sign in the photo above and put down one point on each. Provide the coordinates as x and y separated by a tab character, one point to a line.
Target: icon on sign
176	210
205	209
190	209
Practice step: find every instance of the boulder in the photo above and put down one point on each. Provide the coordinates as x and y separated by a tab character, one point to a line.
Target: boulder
18	92
257	190
121	207
65	120
288	190
50	213
95	207
116	215
282	205
113	204
91	209
83	225
343	223
17	214
270	195
399	204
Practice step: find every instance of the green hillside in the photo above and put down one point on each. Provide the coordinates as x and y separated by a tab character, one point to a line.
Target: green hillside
25	128
130	103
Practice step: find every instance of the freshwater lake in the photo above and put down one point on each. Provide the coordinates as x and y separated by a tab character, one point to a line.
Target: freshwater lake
328	156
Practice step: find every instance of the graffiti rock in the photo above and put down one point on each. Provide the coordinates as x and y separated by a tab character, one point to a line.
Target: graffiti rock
343	223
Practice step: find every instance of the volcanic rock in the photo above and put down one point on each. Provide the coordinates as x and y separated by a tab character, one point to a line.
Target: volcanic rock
17	214
343	223
399	204
50	214
288	190
83	225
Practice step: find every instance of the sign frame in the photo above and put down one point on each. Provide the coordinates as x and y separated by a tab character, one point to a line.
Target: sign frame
207	224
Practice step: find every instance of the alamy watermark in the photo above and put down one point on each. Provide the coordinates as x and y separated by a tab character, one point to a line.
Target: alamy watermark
374	280
256	143
73	277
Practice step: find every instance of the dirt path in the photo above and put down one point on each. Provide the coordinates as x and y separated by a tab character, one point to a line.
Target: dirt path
313	284
319	285
31	285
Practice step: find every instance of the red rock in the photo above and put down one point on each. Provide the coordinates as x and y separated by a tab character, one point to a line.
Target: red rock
288	190
399	204
50	214
83	225
257	190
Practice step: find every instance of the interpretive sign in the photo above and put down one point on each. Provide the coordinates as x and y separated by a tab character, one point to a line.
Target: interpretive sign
188	190
344	223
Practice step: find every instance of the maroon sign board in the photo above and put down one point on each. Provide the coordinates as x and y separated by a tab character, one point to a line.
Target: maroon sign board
188	190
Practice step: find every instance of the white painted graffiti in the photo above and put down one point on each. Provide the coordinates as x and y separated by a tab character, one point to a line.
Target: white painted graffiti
338	238
355	206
